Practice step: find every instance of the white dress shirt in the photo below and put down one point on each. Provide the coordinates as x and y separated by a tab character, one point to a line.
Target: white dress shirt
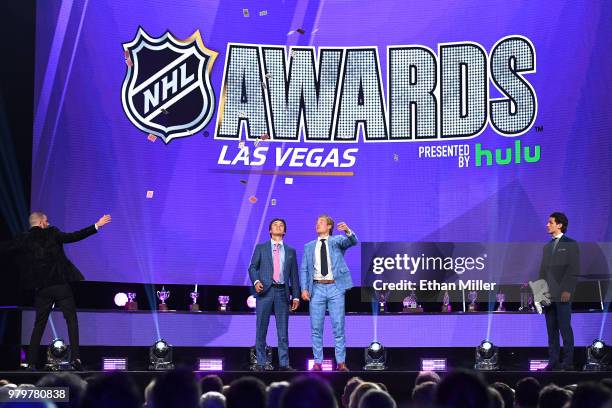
317	262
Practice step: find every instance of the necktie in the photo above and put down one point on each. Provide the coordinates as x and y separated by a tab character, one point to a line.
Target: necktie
324	268
555	242
276	275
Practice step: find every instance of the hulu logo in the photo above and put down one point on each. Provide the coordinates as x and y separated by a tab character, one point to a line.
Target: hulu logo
506	155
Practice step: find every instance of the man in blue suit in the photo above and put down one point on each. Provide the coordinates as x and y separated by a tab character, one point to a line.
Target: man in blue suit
324	277
272	271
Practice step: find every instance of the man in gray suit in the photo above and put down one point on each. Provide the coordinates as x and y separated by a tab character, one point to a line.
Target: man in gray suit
273	272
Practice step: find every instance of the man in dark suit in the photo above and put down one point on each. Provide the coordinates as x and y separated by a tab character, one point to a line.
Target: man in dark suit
46	269
273	272
560	268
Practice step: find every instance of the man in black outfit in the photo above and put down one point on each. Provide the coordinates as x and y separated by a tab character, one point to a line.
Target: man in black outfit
46	269
560	268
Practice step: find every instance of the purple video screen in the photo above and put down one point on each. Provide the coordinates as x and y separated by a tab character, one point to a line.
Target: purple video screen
194	123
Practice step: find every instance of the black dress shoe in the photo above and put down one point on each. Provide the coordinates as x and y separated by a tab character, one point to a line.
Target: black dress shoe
286	368
77	364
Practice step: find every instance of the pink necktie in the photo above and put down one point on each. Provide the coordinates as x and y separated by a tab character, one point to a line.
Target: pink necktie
276	275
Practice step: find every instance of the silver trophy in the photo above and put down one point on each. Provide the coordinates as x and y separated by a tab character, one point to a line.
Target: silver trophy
163	295
131	303
446	307
472	296
410	303
381	297
223	303
526	299
194	307
501	298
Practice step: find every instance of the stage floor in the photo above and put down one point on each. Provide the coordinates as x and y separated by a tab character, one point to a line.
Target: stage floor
399	383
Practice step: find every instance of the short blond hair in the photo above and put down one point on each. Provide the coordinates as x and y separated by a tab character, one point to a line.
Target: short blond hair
329	220
35	218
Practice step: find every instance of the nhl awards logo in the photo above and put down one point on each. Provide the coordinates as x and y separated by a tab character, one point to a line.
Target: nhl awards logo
166	91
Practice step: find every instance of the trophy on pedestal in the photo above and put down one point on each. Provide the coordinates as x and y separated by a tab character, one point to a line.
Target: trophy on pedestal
410	303
446	307
163	295
131	303
223	303
194	307
526	299
381	298
501	298
473	307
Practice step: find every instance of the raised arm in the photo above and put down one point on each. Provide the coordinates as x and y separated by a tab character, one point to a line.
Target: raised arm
349	240
69	237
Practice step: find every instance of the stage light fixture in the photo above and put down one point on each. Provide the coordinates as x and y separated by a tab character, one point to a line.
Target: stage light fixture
375	357
253	359
160	356
58	356
486	356
598	356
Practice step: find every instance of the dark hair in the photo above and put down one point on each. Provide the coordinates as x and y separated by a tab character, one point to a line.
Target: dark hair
211	382
176	388
463	389
497	401
553	396
350	386
527	392
425	376
117	390
246	392
592	395
306	392
560	218
76	387
277	219
506	392
377	399
424	393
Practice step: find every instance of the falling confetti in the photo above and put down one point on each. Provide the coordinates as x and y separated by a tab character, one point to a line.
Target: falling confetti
263	13
300	30
245	12
152	138
252	199
288	180
150	194
243	181
164	111
395	157
273	201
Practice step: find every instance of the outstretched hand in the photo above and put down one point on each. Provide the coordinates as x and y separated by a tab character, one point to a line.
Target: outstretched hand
343	227
105	219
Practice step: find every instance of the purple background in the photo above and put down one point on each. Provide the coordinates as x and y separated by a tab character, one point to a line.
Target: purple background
393	330
88	159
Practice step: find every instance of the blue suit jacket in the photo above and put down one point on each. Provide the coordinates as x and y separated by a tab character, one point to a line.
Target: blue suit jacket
337	245
262	269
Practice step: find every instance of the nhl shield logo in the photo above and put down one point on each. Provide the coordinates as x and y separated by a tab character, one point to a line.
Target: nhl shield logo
166	91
